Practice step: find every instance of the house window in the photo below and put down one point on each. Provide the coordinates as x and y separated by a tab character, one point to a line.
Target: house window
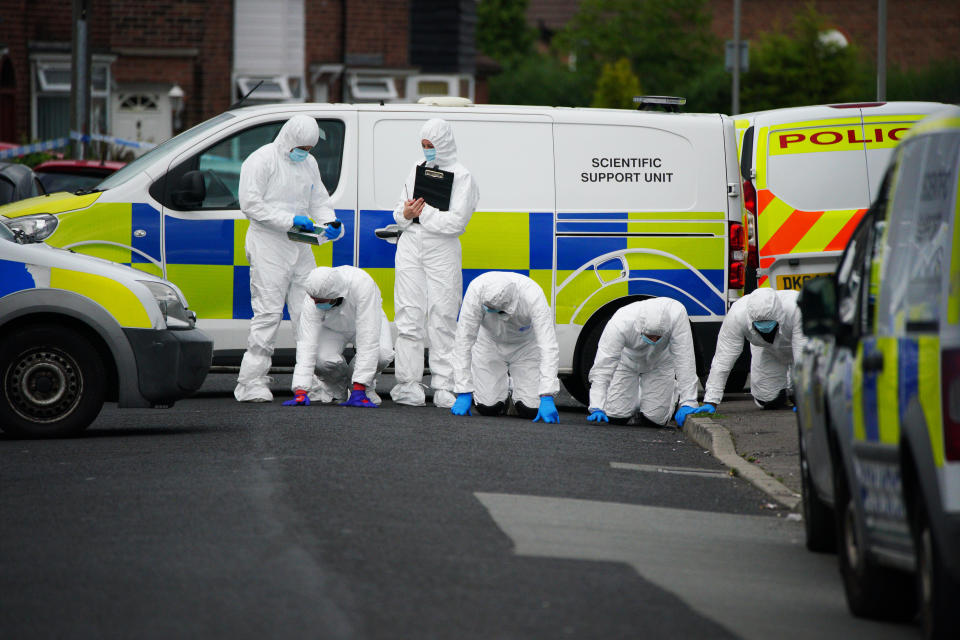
420	86
51	96
371	88
270	89
140	102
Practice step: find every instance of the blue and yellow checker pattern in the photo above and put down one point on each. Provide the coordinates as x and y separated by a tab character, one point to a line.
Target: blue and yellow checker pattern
910	373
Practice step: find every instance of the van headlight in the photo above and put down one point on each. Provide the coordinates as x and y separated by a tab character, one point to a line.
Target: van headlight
174	311
33	228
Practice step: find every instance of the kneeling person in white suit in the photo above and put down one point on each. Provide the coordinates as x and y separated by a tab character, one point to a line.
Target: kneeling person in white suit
644	364
343	305
506	329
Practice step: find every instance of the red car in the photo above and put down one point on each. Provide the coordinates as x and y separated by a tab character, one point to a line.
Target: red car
72	175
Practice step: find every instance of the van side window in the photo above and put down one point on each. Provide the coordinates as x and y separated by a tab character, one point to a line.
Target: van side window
850	274
916	248
219	167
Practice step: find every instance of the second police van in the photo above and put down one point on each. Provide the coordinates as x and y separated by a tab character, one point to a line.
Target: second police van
809	175
600	207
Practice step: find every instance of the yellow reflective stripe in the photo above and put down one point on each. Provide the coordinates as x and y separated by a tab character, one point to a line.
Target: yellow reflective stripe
859	430
713	228
239	238
936	124
148	267
208	287
741	123
888	411
323	255
760	180
928	392
823	231
113	296
894	118
544	278
772	218
384	277
828	122
586	286
674	215
817	140
105	223
953	286
498	240
700	253
54	203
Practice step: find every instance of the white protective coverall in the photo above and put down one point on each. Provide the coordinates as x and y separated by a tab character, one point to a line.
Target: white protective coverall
769	363
629	375
429	282
522	342
273	189
323	333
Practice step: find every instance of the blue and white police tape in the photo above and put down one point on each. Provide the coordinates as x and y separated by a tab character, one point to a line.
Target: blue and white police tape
98	137
46	145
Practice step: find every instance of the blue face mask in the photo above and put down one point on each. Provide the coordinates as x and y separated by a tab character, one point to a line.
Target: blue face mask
430	154
489	310
299	155
765	326
648	340
323	306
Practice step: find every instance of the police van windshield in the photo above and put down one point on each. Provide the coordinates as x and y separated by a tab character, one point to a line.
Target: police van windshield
163	152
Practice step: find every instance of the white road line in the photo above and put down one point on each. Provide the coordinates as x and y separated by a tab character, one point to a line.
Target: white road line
682	471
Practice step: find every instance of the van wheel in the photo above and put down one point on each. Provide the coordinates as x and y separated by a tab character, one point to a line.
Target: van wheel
578	384
53	382
872	591
937	595
818	518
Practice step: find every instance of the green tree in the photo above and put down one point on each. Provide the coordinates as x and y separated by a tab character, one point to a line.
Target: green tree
502	30
939	81
616	86
668	42
803	68
542	80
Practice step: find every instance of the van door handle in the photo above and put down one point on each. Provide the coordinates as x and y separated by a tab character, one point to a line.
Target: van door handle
733	190
873	362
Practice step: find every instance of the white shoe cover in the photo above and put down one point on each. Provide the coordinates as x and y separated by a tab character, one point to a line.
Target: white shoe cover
443	399
374	398
408	393
256	391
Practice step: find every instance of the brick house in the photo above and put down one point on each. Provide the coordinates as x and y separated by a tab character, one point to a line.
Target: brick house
145	53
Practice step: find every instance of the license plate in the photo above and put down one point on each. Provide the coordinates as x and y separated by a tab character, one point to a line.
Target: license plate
795	281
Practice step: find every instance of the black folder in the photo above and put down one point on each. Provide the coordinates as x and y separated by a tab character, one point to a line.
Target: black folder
434	186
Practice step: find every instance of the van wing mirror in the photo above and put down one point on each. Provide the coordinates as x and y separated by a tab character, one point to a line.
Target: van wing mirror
191	191
818	306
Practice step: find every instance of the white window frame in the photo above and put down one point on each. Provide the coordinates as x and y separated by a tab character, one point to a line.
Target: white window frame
388	94
453	85
39	87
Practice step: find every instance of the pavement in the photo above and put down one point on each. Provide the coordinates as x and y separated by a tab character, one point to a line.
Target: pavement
758	445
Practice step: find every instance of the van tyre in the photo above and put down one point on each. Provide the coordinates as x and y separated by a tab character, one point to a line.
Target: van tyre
578	384
52	382
872	591
937	594
818	518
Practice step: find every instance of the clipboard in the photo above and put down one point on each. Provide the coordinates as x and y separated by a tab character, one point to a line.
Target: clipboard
434	186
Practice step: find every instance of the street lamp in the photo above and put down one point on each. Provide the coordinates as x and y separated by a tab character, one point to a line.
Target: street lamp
176	105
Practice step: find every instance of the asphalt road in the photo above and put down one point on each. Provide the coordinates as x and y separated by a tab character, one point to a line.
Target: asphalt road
217	519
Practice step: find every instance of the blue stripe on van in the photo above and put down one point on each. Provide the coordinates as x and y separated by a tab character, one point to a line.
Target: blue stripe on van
145	217
374	252
14	277
343	248
591	227
199	241
689	284
611	215
871	422
573	253
541	240
241	293
908	360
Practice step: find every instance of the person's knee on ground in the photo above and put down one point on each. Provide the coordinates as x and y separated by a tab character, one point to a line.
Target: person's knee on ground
645	421
621	420
524	411
495	409
781	401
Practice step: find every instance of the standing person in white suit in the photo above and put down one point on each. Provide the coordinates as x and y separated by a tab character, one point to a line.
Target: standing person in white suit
342	305
770	321
280	187
506	329
645	363
429	281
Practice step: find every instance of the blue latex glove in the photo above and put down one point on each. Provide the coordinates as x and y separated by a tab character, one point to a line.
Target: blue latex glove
299	399
547	411
304	223
358	398
331	231
706	408
598	416
462	406
681	415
